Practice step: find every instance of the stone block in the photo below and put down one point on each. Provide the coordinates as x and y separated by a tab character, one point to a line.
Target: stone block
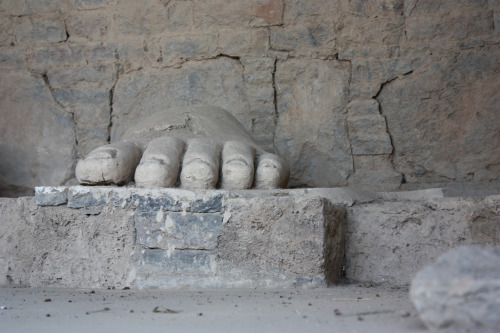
303	236
88	26
51	196
146	200
456	26
17	244
178	262
244	43
496	21
187	47
57	55
133	18
311	132
383	237
459	292
90	137
304	40
6	31
221	14
373	124
167	231
102	52
359	108
35	30
29	7
93	4
85	248
12	57
87	97
258	71
371	144
92	75
427	148
217	82
35	147
80	197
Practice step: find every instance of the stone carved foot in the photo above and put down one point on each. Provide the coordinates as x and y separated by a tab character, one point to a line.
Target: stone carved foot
197	147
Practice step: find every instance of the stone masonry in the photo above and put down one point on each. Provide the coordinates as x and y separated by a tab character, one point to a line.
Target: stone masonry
385	94
161	238
169	238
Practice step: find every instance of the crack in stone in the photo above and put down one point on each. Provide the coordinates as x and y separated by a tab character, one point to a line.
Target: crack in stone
275	101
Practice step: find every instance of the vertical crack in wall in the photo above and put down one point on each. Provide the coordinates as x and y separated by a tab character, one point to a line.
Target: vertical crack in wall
275	102
391	139
111	102
353	165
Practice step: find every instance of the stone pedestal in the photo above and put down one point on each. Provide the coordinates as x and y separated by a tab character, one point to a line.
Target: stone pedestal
119	236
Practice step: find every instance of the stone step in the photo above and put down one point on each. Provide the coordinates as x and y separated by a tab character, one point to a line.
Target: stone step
169	238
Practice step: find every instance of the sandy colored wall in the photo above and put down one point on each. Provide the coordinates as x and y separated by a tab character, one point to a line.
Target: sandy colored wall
385	94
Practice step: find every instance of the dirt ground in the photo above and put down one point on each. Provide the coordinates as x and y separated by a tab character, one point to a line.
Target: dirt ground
347	308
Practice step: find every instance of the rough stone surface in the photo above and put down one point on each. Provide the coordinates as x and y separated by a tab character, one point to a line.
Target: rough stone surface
391	241
171	238
51	196
431	66
460	292
35	147
311	97
303	236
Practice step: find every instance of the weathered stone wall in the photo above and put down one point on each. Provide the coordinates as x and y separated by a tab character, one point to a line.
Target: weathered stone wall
391	94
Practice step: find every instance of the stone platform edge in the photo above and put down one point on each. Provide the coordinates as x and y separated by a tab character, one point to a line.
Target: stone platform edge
167	238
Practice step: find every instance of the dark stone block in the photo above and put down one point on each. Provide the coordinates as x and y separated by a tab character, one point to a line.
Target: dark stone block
85	199
195	231
150	204
178	261
51	196
212	205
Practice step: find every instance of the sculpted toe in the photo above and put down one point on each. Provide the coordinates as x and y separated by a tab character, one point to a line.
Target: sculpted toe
110	164
237	166
272	172
160	163
200	167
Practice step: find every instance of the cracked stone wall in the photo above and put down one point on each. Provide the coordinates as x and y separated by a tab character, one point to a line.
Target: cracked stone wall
385	94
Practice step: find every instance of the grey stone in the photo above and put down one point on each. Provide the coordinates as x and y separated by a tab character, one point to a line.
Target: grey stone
215	82
314	229
367	125
248	43
88	26
86	76
51	196
314	40
17	244
430	141
311	132
178	230
12	58
179	261
28	7
87	97
371	144
460	292
220	14
358	108
132	18
93	4
384	237
6	31
35	147
175	49
34	30
57	55
80	199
